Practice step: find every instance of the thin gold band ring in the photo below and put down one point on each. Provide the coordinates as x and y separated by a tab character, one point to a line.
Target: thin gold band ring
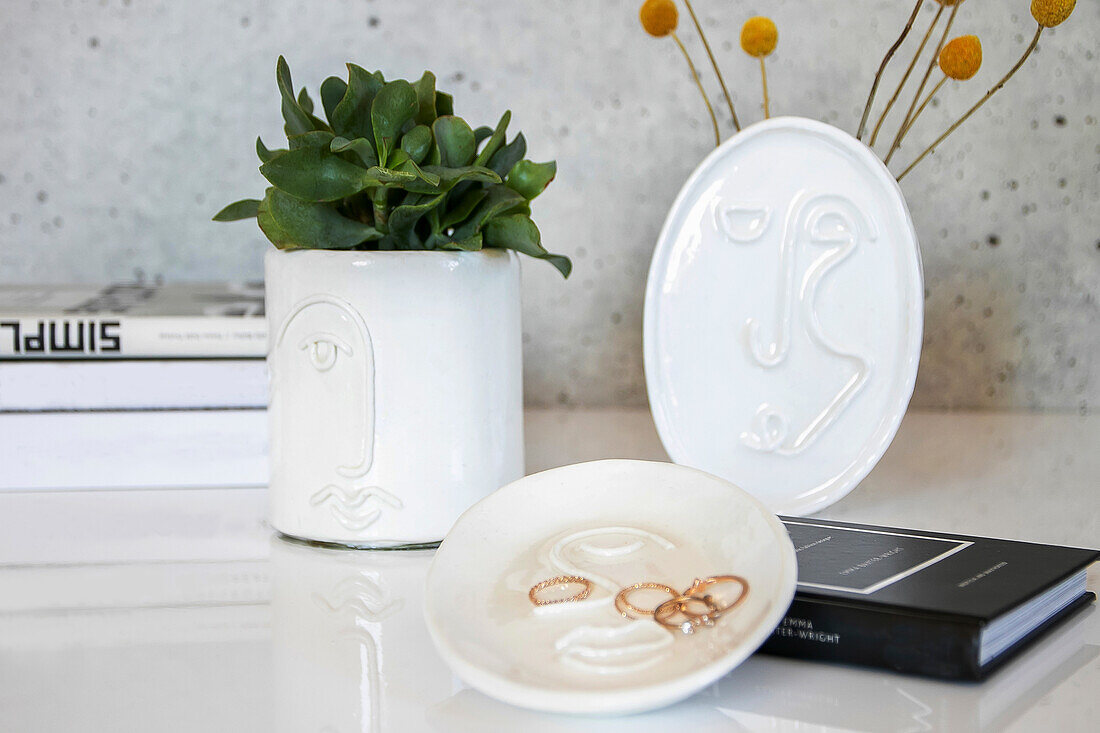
665	612
622	605
701	584
562	580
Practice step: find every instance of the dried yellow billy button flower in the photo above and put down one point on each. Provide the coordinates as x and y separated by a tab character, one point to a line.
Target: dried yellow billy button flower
659	18
961	58
1050	13
758	38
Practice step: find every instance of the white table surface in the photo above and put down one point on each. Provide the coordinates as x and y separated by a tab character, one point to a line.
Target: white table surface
178	611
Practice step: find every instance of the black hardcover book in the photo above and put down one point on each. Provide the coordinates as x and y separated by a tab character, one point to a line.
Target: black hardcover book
942	605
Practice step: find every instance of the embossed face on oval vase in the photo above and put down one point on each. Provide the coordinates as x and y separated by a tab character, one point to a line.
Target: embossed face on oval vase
783	315
324	348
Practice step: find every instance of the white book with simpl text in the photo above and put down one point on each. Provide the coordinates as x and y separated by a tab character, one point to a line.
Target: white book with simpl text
132	320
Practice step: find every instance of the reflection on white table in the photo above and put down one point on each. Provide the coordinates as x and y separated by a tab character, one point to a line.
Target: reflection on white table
154	632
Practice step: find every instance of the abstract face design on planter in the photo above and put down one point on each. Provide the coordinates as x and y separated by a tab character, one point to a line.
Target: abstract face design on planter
600	640
324	348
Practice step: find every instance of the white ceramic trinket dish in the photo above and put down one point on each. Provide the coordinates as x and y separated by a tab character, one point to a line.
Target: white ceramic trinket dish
783	315
614	523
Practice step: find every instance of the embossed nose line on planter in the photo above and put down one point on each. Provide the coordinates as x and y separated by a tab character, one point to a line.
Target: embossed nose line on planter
396	390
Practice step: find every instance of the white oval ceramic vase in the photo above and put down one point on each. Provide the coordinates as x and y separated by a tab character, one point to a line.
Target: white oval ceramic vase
396	390
783	314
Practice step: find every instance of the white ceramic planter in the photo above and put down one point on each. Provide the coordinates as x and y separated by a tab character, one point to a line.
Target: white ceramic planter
396	390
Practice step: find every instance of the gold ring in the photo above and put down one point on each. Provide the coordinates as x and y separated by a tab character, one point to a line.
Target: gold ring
562	580
680	605
701	584
622	605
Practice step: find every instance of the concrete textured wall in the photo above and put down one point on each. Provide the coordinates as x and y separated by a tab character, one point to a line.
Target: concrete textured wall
126	123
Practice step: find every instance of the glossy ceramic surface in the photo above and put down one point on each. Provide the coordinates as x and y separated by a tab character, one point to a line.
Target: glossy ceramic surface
396	390
615	523
783	314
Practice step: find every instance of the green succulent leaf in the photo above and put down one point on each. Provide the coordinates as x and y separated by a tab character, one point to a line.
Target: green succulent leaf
449	177
264	153
394	105
315	139
481	133
498	200
530	179
404	217
389	175
512	153
417	142
333	90
360	146
291	223
496	140
425	98
297	119
243	209
307	106
463	208
400	161
315	174
304	101
433	156
560	262
444	104
351	118
455	140
519	233
470	244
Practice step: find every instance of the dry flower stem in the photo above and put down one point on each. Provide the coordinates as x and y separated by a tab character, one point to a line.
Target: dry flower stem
714	64
908	72
926	101
764	79
695	75
882	68
923	82
976	107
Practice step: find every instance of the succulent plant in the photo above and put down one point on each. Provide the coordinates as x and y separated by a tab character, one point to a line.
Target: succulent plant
393	168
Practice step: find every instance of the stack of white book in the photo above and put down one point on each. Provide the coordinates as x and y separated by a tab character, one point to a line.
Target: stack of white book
132	386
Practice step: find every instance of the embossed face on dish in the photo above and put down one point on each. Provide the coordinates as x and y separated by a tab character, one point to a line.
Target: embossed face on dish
783	315
615	523
592	636
324	349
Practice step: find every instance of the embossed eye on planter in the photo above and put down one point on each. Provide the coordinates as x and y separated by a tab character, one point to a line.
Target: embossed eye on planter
783	314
